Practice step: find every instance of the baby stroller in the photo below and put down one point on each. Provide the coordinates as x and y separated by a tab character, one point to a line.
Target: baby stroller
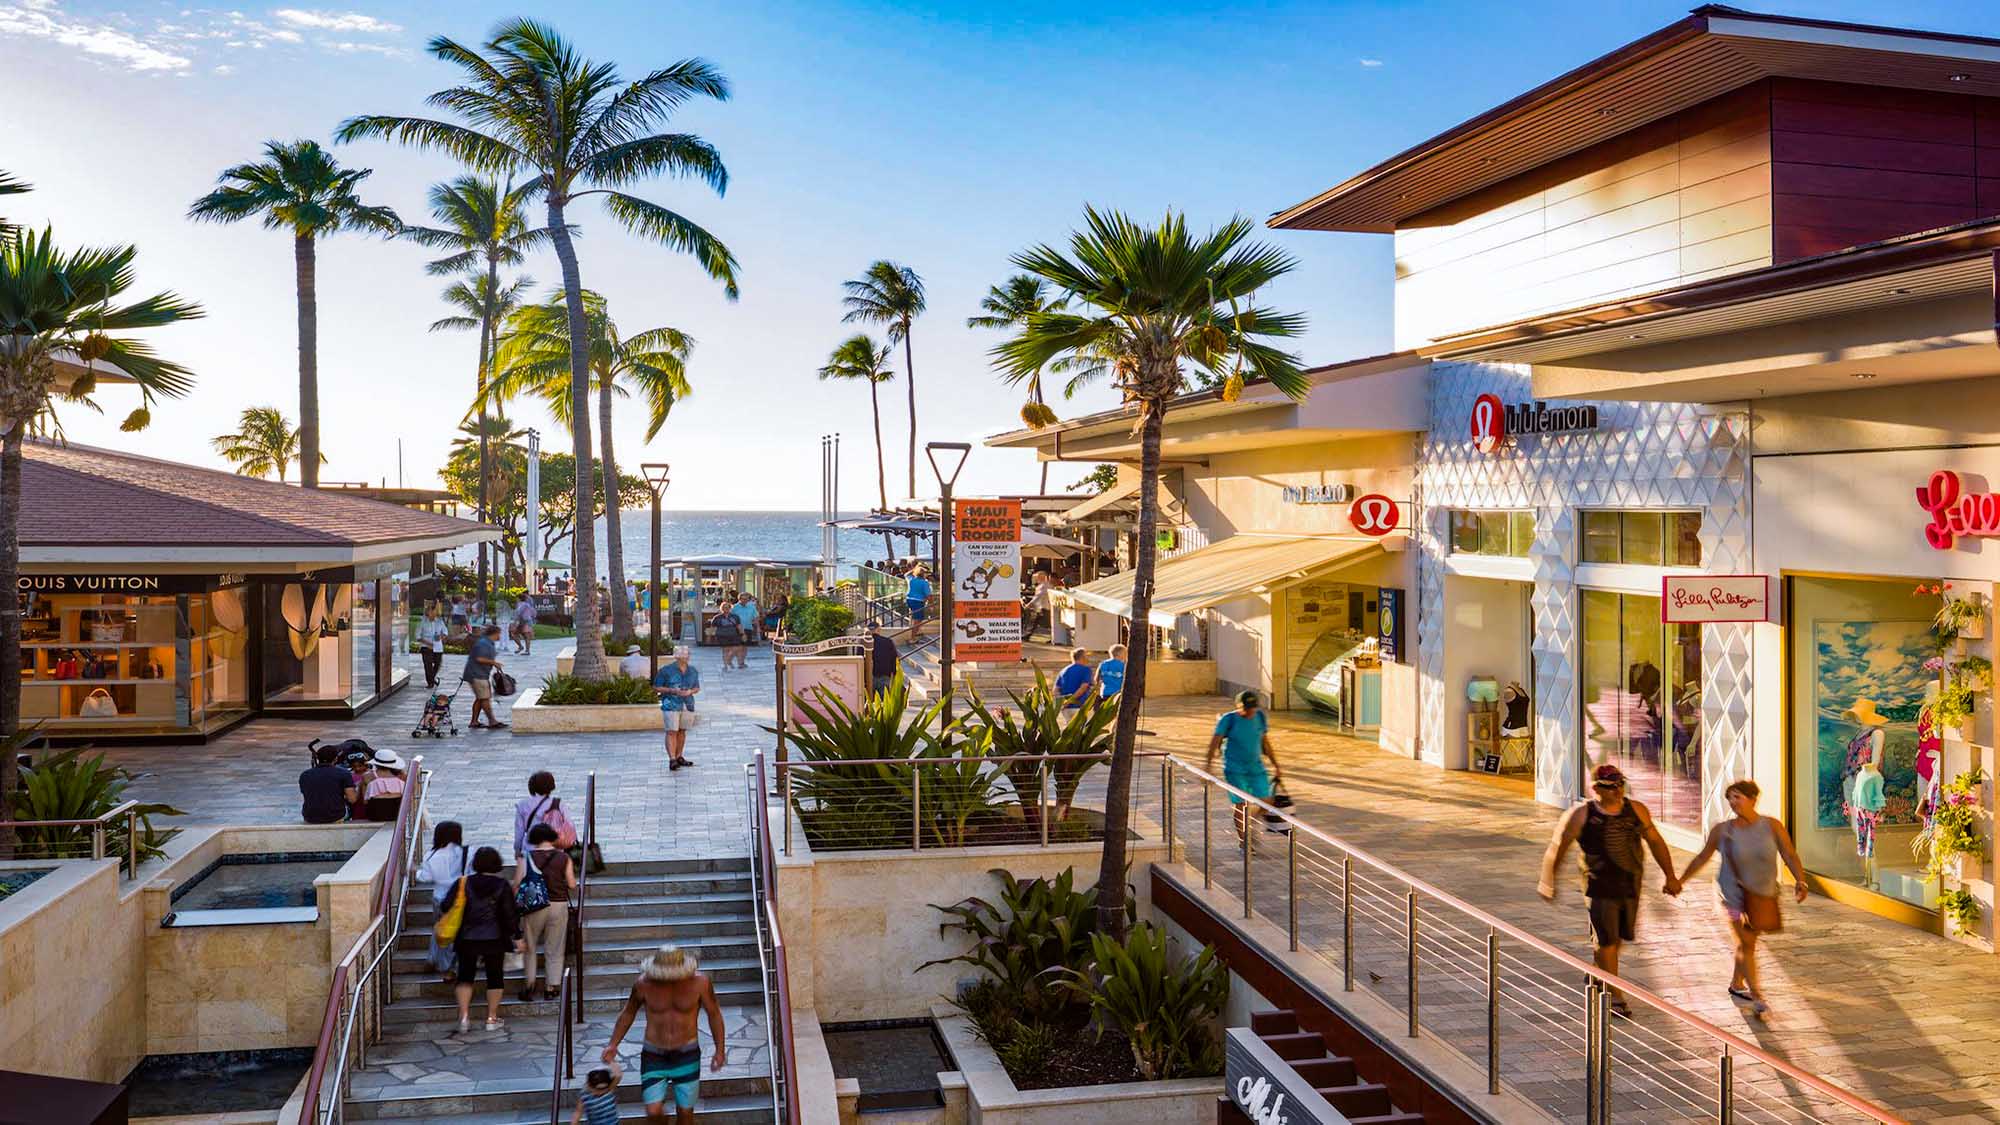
437	715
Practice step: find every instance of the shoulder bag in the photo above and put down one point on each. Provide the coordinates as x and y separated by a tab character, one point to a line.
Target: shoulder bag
98	705
1760	912
532	895
453	917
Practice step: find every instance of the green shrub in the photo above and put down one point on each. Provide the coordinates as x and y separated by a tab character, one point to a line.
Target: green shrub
618	644
1039	724
573	691
1029	1048
1025	943
816	619
65	785
857	806
1166	1007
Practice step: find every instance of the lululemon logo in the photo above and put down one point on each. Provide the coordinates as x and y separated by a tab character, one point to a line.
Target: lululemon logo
1373	514
1489	423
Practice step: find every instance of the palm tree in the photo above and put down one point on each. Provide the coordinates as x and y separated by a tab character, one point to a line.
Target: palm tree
534	358
300	188
484	226
536	105
263	444
1008	306
858	357
891	295
55	307
10	186
1154	302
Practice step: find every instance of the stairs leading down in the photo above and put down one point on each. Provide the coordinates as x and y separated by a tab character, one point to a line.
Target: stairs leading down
1332	1076
425	1069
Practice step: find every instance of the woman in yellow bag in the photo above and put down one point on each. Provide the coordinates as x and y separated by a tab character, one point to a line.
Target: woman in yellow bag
444	869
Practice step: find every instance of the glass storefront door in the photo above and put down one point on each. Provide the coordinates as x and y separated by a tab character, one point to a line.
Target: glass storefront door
1642	702
308	643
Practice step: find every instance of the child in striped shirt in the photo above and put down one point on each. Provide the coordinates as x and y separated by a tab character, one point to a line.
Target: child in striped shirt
598	1102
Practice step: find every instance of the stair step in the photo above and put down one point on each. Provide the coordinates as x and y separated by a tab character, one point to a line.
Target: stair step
1331	1070
1296	1044
1280	1022
1399	1117
440	1009
631	905
617	888
706	947
623	976
660	928
734	1109
1361	1099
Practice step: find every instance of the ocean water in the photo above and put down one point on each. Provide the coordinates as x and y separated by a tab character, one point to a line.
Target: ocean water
764	534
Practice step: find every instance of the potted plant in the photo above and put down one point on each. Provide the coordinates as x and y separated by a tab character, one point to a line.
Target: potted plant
1952	844
1961	908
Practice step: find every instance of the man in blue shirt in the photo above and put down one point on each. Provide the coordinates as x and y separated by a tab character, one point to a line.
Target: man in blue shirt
1111	673
1244	739
677	684
480	661
747	616
919	594
1074	682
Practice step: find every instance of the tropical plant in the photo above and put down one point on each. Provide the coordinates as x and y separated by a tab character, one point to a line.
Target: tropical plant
811	619
1962	907
959	791
1008	306
574	691
859	358
1166	1006
534	358
857	806
1023	942
510	495
483	226
533	104
1955	827
1030	1047
263	444
1041	723
10	186
60	321
1148	305
301	189
1100	479
892	296
65	785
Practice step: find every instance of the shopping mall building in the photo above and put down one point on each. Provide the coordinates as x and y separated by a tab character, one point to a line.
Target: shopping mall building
1707	332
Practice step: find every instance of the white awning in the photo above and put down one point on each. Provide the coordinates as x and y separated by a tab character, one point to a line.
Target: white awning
1102	500
1238	566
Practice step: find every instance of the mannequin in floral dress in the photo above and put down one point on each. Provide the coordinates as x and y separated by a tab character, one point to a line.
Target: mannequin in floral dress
1862	786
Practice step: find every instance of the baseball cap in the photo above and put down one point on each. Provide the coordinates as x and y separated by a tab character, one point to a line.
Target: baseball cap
1607	775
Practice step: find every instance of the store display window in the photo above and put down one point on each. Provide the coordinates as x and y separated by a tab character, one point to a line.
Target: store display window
1863	751
131	664
1641	538
1505	534
309	643
1642	702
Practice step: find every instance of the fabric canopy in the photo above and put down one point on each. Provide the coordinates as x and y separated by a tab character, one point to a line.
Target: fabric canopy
1220	572
1102	500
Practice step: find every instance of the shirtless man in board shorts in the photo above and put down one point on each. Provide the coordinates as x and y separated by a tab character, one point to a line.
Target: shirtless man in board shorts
673	994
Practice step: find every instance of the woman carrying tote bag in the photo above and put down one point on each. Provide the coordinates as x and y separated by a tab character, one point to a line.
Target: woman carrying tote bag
447	863
1746	886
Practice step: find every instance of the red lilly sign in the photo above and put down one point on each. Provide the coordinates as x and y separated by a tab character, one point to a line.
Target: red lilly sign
1709	599
1954	513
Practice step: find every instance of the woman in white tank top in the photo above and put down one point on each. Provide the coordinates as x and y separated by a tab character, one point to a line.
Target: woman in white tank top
1751	846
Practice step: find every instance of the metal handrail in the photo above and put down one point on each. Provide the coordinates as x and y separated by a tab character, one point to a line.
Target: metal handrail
576	949
1732	1045
347	992
98	825
778	1030
565	1051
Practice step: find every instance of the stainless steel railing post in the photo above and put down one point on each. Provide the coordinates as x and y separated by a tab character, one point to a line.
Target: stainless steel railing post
97	840
1347	923
1167	805
1248	847
1590	1017
786	775
1042	799
1410	926
1603	1056
132	841
916	808
1725	1088
1492	1012
1292	889
1206	880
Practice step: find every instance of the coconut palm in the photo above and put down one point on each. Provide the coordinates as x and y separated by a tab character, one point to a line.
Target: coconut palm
483	226
858	357
533	358
1154	303
892	296
9	186
533	104
1008	305
263	444
58	307
301	189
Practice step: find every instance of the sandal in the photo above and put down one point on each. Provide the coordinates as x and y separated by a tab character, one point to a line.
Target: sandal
1621	1009
1743	994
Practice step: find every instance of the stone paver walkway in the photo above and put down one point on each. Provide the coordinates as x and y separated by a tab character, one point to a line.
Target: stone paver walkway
250	775
1905	1018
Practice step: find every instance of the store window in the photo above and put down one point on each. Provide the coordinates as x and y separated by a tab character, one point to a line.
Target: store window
1642	702
1642	538
151	664
1503	534
1859	695
218	651
309	643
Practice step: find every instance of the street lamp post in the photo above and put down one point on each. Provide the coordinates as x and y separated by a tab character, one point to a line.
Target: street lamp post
656	480
947	470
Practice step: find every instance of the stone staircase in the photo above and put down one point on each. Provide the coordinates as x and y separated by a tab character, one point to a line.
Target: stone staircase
425	1069
1333	1077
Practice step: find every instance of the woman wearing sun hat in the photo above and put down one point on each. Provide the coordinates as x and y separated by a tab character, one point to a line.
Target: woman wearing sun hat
385	793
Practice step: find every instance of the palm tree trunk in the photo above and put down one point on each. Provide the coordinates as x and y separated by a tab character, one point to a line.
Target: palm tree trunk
910	370
1118	788
485	359
1043	488
589	640
10	617
614	533
881	478
307	269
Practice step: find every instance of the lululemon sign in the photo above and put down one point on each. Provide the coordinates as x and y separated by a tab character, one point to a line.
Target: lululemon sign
1493	421
1489	423
1373	514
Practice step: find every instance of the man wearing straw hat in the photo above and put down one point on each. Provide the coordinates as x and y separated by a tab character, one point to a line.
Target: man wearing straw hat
673	993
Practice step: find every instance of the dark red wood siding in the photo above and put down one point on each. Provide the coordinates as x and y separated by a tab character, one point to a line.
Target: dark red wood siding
1853	164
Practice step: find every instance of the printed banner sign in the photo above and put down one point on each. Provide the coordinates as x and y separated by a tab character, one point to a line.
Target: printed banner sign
1709	599
986	580
846	677
1267	1089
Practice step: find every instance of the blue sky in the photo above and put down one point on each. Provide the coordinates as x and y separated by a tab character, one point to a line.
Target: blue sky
941	137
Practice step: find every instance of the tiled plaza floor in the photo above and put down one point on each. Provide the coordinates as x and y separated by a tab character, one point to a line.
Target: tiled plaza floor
250	775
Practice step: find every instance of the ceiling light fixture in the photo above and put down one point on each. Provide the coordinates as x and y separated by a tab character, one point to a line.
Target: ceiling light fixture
1899	292
1636	336
1864	376
1959	77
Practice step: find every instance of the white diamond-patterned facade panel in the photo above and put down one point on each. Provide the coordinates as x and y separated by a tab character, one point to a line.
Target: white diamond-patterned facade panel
1642	455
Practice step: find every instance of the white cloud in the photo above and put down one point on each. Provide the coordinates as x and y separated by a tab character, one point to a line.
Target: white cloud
320	20
45	19
1371	63
224	70
349	47
286	36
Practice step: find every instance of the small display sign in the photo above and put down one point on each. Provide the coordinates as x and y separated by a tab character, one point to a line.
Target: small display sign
986	580
1710	599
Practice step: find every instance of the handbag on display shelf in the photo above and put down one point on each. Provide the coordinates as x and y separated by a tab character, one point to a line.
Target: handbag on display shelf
98	705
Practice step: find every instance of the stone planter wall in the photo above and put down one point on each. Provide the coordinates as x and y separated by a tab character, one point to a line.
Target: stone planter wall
993	1098
530	717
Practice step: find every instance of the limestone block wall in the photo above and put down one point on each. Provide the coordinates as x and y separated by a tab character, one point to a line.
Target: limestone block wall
72	975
